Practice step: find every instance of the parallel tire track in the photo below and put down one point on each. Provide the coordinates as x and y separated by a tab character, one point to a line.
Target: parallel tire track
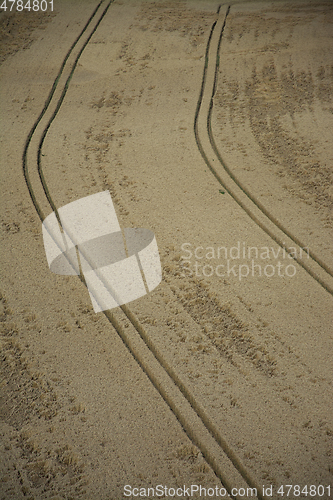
318	269
37	122
203	432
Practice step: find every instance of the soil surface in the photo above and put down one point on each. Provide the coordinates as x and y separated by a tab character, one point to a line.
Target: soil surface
212	127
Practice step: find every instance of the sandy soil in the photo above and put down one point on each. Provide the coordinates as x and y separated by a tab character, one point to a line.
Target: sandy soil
219	379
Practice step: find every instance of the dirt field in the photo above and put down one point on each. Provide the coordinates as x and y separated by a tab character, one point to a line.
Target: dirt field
210	125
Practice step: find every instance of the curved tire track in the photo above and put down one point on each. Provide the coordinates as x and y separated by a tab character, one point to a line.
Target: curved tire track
316	268
188	411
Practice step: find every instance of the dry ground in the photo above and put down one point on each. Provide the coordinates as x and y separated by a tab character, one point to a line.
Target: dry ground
79	418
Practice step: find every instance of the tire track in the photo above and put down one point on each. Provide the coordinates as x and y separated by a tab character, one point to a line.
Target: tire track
191	415
317	269
61	74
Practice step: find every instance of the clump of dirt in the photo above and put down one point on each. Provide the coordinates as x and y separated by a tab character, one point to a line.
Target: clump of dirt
175	16
32	451
295	93
17	30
